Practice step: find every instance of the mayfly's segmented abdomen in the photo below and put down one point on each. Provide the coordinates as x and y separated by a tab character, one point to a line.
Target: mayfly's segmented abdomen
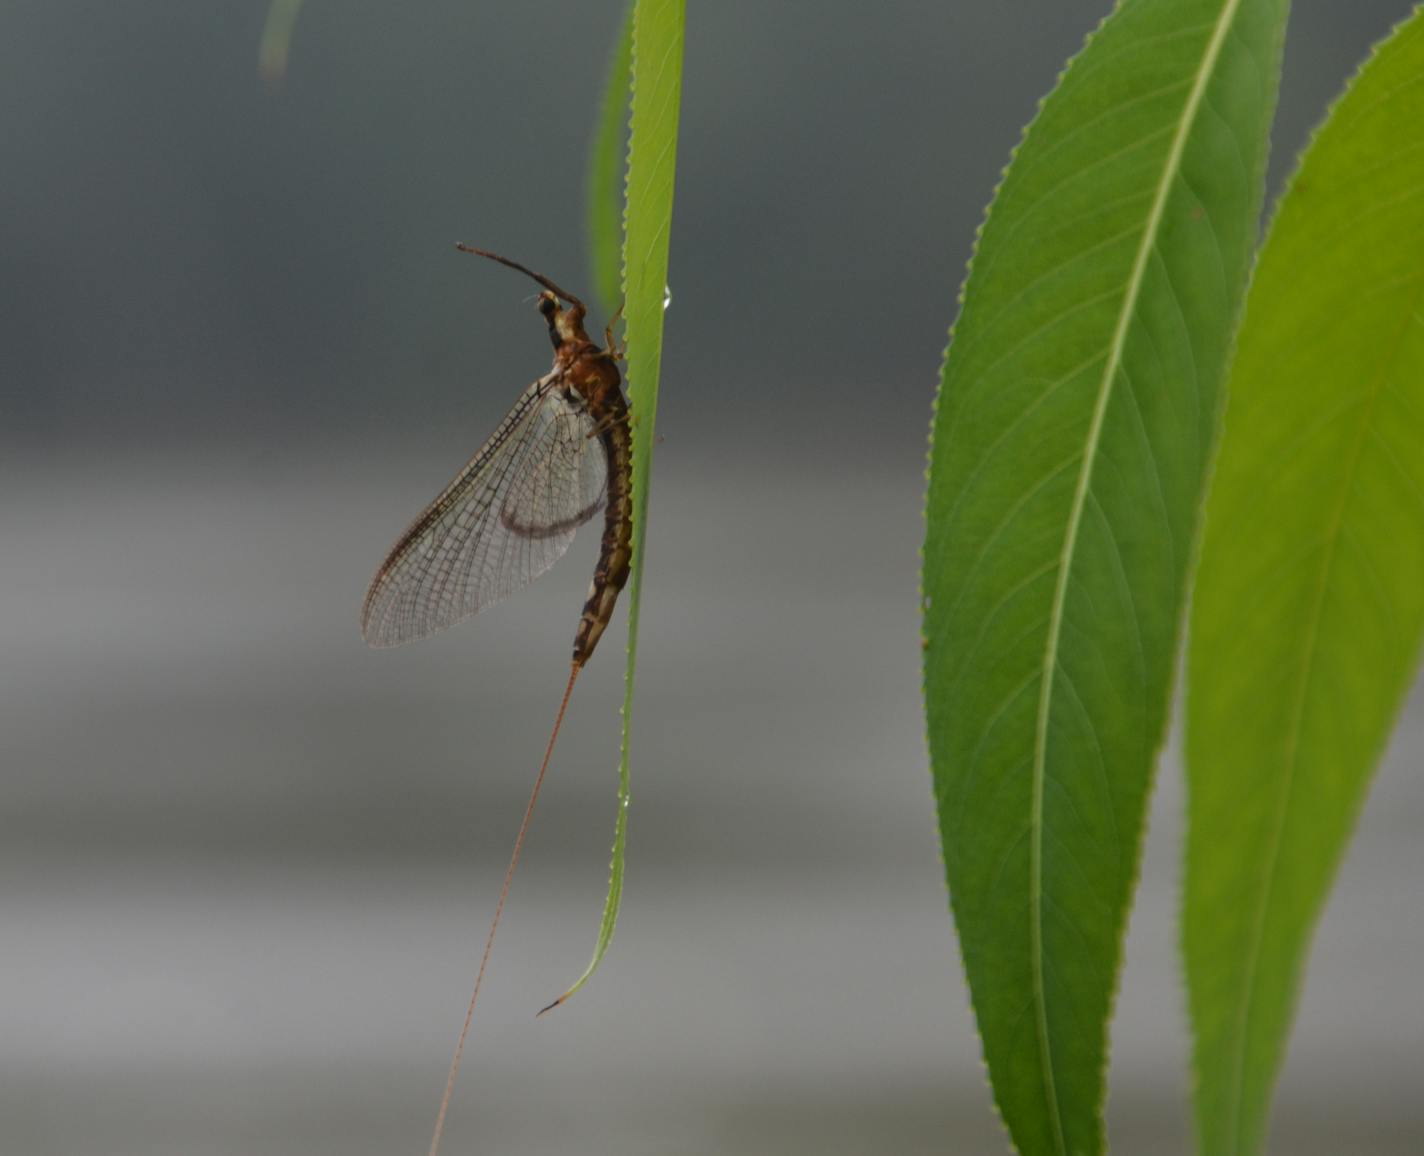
616	552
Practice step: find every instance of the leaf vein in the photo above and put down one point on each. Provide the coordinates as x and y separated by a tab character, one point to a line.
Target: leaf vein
1136	279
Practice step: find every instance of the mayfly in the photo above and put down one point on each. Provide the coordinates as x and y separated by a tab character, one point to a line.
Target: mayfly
558	457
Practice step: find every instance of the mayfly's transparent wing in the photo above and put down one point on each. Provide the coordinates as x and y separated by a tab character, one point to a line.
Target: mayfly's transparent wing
505	519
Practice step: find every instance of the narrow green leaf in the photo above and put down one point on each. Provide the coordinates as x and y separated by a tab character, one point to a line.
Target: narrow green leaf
605	194
1074	421
652	153
1309	606
276	45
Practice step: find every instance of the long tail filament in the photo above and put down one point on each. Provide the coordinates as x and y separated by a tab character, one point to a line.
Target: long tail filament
498	910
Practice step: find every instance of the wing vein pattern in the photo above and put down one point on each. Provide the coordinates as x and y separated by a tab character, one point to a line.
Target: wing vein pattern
507	516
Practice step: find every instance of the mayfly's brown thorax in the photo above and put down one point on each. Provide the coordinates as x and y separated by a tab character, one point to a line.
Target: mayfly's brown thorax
586	366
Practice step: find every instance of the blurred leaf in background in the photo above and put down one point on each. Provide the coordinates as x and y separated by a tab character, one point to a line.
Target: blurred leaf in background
275	47
605	176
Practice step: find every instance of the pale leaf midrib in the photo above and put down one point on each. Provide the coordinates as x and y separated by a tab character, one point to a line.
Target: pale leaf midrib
1170	169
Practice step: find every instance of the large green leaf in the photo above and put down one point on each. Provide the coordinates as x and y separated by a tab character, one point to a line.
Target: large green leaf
1309	606
652	154
1074	421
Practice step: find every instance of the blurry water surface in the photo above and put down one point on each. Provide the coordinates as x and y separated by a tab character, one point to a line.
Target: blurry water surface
249	861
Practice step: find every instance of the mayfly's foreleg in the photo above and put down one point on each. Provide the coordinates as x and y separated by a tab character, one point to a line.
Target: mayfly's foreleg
617	352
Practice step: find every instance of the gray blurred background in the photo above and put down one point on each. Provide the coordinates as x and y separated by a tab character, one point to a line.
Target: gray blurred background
247	863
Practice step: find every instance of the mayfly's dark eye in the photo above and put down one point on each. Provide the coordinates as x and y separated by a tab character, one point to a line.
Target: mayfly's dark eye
547	305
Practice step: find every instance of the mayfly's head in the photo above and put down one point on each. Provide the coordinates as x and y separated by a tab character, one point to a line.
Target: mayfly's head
565	325
549	306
